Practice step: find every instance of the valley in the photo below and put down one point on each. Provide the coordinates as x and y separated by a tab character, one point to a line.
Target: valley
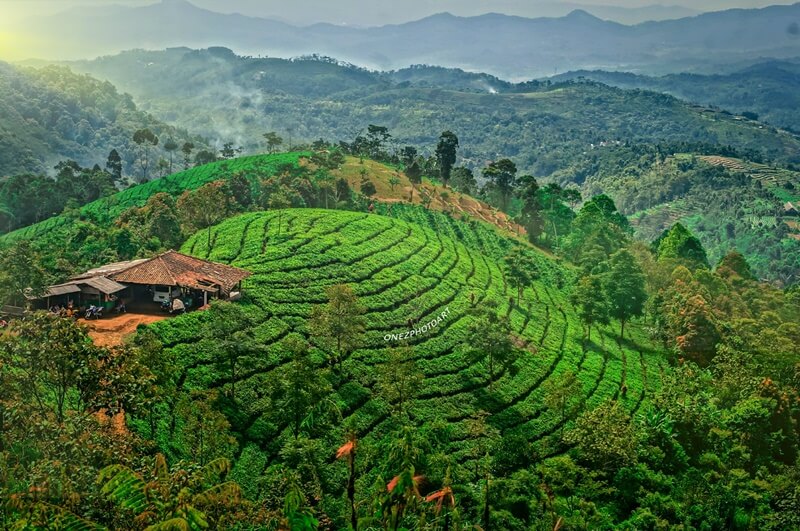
432	290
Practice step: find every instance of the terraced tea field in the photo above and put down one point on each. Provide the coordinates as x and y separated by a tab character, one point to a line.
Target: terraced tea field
402	270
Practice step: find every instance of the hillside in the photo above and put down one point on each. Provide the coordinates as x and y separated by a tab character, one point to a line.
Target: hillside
512	47
768	89
433	195
105	210
542	126
51	114
400	271
728	203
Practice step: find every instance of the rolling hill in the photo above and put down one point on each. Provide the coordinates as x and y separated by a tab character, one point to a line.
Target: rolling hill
767	90
52	114
729	203
106	209
542	126
400	270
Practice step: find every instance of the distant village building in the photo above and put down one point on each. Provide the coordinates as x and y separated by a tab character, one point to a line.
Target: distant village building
791	209
156	280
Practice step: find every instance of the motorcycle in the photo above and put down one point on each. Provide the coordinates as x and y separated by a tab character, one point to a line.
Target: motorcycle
176	306
93	312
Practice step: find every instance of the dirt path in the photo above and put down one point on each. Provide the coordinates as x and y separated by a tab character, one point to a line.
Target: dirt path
111	331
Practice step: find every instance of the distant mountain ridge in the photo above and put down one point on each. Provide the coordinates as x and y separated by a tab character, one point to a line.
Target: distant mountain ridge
511	47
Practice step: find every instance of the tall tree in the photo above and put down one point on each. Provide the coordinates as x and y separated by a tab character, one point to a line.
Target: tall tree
463	180
562	395
414	173
204	156
229	334
340	322
170	146
302	387
274	141
228	151
280	200
503	175
531	215
21	273
625	286
489	340
399	379
204	207
205	432
591	302
678	243
446	155
377	136
114	165
145	139
57	361
241	189
520	269
408	155
187	149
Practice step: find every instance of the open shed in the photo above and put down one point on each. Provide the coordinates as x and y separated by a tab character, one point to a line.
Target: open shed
150	281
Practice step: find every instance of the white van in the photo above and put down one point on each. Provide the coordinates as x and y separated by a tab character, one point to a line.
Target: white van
165	293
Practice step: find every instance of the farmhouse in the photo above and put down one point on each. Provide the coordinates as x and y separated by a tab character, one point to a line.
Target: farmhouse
149	282
790	209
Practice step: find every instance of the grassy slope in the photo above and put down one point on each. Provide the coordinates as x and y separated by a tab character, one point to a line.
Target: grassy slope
452	202
106	209
404	270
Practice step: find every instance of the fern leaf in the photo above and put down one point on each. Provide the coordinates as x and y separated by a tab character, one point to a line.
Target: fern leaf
224	492
216	468
61	519
173	524
124	486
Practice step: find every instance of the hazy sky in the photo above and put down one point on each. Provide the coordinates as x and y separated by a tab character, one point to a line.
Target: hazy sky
362	12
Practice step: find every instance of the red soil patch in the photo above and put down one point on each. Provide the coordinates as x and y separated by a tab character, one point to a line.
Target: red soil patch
111	331
405	192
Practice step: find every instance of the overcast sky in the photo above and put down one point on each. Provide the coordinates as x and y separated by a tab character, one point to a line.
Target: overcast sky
363	12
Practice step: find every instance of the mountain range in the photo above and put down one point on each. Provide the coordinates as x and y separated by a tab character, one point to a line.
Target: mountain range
507	46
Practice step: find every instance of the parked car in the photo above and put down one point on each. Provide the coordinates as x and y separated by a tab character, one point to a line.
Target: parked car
165	293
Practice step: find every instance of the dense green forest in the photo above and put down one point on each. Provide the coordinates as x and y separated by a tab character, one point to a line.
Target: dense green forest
589	382
541	126
728	202
766	90
52	114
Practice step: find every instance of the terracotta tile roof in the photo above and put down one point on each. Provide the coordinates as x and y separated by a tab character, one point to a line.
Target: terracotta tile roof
108	269
100	283
176	269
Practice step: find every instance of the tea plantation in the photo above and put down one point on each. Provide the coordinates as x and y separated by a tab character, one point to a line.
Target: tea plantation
412	268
